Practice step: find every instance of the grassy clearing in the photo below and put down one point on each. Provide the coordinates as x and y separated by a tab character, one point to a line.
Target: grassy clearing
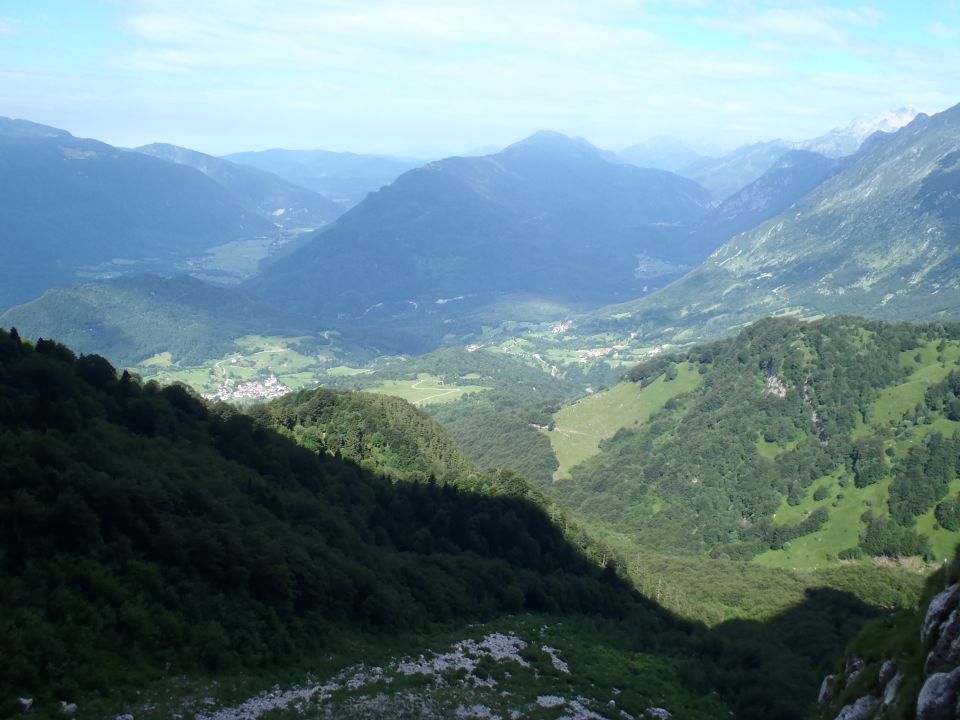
580	427
942	542
841	531
425	390
240	258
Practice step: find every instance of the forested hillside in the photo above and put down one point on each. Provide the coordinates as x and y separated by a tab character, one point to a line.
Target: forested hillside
427	251
131	319
802	444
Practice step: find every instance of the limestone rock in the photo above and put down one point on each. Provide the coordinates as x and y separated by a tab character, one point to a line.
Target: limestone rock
946	652
68	708
853	668
24	704
658	713
861	709
887	672
826	690
939	610
938	697
890	690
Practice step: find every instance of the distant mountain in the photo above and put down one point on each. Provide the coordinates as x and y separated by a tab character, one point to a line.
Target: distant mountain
549	216
847	140
129	319
793	176
662	153
71	208
342	177
280	201
880	238
726	175
796	173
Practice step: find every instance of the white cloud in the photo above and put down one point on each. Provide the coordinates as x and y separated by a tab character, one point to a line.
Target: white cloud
946	32
433	76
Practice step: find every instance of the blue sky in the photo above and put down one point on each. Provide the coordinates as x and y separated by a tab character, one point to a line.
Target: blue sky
433	77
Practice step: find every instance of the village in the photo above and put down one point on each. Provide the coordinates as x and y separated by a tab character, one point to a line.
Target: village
250	390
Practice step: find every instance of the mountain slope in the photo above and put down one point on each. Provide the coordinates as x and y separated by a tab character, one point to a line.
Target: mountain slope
130	319
289	206
142	530
164	555
71	208
549	216
877	239
725	175
791	177
796	444
662	153
847	140
343	177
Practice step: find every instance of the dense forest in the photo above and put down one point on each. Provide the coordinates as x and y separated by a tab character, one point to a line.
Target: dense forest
143	529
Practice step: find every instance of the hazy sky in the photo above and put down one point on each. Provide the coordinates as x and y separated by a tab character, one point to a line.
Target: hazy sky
433	77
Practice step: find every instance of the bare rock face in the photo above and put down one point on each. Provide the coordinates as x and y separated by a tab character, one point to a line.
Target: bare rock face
939	696
861	709
854	667
942	605
890	691
946	652
887	672
826	690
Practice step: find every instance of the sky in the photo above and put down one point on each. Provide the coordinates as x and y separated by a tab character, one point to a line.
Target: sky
428	78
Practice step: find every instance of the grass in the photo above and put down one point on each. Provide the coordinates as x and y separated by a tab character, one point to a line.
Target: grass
841	531
844	526
425	390
240	258
345	371
942	542
580	427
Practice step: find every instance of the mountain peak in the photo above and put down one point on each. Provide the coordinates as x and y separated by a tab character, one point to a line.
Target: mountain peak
552	141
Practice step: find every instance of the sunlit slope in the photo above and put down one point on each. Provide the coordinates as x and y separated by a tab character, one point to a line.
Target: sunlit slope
877	239
579	428
803	445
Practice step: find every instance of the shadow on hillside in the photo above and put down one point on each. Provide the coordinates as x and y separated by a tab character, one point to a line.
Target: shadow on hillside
173	533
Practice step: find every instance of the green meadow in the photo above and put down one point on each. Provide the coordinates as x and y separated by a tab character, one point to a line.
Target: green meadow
580	427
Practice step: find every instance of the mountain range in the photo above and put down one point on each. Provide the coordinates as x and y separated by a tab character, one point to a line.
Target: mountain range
878	238
343	177
724	175
288	205
704	535
549	216
72	208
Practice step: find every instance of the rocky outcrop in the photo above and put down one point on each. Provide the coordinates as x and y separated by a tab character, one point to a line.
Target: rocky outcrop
939	698
862	708
939	610
939	648
826	690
